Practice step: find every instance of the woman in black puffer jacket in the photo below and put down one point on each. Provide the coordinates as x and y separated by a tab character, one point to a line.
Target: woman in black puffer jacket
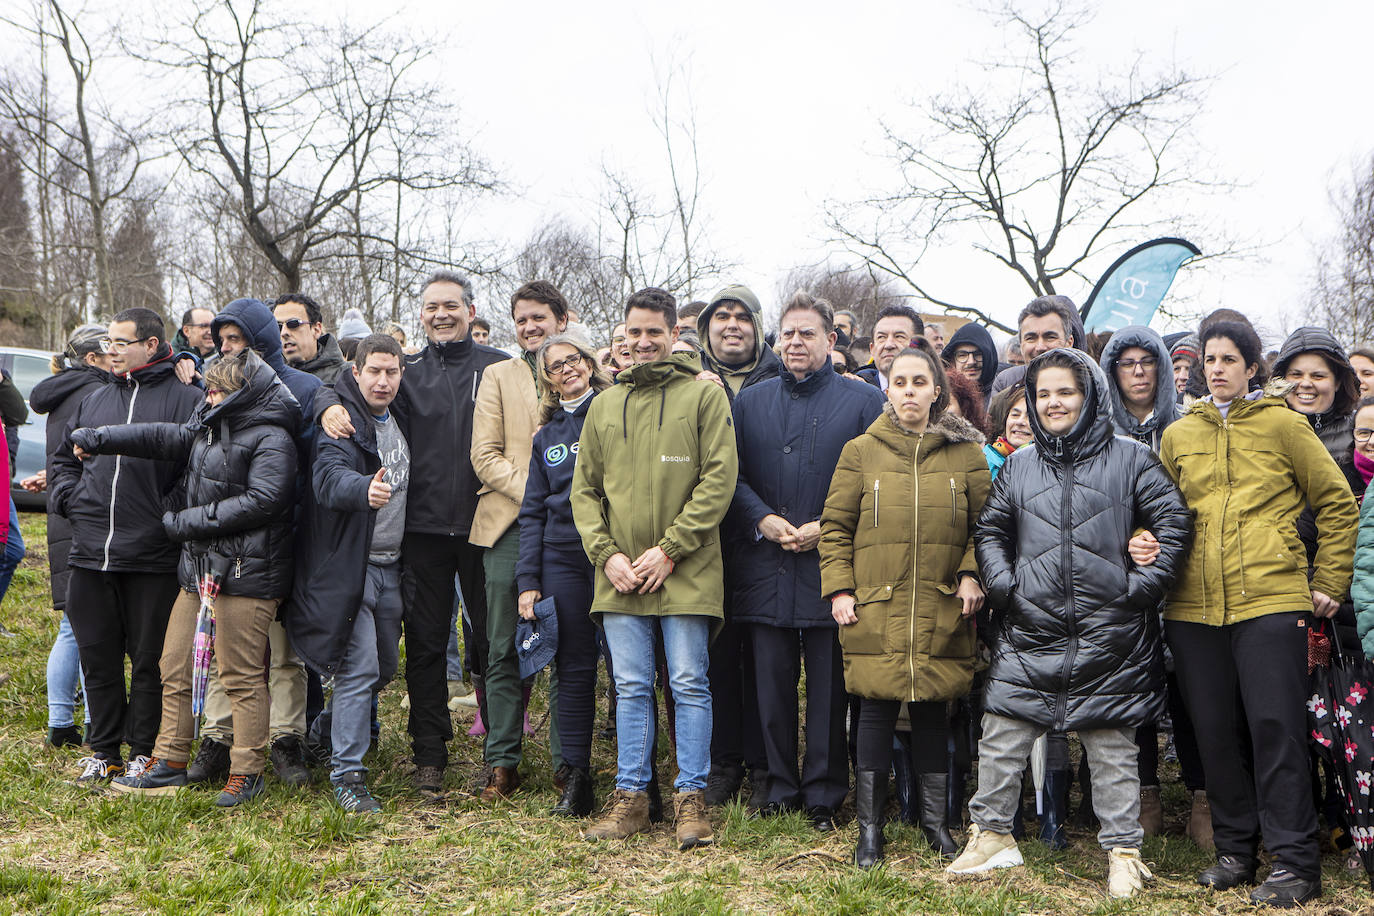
240	457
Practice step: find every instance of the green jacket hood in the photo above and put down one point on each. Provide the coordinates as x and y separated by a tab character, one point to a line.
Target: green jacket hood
659	372
742	294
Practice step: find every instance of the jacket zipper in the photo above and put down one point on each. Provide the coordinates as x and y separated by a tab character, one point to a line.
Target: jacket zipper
875	502
1240	549
1066	556
812	456
953	515
238	567
114	481
915	554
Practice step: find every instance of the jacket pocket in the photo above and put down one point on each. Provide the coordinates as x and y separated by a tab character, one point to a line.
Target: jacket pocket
953	634
873	606
1267	562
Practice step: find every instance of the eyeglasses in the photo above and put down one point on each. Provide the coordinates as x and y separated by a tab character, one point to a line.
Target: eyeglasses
1129	365
291	323
1362	434
110	345
213	391
969	356
568	362
201	326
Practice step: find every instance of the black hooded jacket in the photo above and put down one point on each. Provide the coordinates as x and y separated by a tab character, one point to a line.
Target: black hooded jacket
1076	635
240	458
978	336
59	396
113	502
1335	427
328	362
1166	408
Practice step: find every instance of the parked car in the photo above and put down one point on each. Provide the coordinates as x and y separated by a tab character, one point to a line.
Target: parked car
28	368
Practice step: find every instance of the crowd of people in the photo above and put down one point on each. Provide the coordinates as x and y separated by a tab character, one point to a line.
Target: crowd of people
968	554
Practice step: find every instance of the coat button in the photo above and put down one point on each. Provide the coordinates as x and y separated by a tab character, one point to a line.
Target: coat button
787	449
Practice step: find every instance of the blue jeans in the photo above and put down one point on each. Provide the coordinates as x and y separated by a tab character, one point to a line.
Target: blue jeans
14	551
368	664
685	642
64	678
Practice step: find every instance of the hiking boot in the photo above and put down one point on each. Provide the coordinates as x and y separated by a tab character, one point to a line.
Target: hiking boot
429	780
1284	889
1126	873
579	796
160	778
97	770
985	851
138	766
1200	822
723	784
288	761
1228	872
933	813
241	787
500	784
211	763
627	815
1151	811
65	736
691	820
560	776
352	795
870	805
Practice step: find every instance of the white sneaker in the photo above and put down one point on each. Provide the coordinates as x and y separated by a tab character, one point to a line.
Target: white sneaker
1126	873
986	851
137	767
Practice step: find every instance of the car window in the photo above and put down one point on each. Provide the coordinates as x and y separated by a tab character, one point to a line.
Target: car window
28	371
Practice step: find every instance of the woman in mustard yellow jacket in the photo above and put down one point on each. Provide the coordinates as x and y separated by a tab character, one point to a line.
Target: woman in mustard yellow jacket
897	562
1238	618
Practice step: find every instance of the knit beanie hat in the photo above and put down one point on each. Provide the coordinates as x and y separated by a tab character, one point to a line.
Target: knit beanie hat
1189	346
353	325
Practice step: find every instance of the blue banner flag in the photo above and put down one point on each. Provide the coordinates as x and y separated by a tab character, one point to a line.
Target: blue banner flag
1132	288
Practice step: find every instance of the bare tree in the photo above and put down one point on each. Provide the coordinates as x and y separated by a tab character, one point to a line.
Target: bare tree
1041	170
568	257
861	288
1343	286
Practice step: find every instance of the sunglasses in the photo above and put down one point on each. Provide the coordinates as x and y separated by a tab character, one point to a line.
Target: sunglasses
291	323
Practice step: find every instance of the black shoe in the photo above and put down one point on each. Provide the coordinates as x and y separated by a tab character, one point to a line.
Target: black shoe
1284	889
211	763
822	818
288	761
579	796
870	804
655	798
65	736
1056	799
932	815
240	788
723	784
429	780
770	809
1230	871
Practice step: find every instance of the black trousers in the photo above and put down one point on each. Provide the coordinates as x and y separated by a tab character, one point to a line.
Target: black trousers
929	734
735	730
114	615
1185	742
1253	673
779	653
568	577
431	562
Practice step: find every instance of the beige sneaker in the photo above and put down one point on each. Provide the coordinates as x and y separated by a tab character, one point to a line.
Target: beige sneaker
984	852
627	814
693	823
1126	873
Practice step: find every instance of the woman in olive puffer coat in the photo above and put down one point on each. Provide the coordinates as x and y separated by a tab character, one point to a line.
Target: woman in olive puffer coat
897	562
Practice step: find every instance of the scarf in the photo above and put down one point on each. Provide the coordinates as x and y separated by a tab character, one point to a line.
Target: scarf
1364	465
1003	447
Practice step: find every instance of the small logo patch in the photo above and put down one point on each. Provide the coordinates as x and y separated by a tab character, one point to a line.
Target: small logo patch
555	455
674	458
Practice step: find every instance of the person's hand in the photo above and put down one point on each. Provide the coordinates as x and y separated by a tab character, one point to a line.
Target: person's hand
335	422
621	572
707	375
527	602
186	371
653	566
808	536
971	594
1143	548
842	609
37	483
80	452
777	529
378	493
1323	605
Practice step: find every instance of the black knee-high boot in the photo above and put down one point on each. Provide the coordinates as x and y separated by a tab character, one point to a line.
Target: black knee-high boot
870	802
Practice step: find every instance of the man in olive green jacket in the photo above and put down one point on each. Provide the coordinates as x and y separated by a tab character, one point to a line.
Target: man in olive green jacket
656	470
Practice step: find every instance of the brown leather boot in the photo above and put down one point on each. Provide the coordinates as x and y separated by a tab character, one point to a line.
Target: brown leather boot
1151	811
693	823
1200	822
627	814
500	784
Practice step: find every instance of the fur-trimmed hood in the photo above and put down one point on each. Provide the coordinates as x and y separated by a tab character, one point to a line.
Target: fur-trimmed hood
947	429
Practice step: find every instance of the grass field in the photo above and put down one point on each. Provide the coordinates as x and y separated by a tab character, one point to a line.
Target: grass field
69	850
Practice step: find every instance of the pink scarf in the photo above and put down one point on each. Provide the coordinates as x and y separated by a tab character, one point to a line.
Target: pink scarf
1364	465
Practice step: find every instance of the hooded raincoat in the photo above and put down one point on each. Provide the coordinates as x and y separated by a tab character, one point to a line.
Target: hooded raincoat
1151	430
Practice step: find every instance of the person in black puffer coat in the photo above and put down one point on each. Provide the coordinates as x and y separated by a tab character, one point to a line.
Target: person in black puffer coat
240	454
1076	638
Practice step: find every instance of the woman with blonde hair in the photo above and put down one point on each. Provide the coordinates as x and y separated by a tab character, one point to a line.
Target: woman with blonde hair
552	562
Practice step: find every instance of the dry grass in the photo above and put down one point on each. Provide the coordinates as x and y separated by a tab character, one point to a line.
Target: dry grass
66	850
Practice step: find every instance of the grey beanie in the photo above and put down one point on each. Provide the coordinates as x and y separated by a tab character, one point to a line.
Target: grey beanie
353	325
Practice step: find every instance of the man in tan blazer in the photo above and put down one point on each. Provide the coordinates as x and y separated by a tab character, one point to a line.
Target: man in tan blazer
503	427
